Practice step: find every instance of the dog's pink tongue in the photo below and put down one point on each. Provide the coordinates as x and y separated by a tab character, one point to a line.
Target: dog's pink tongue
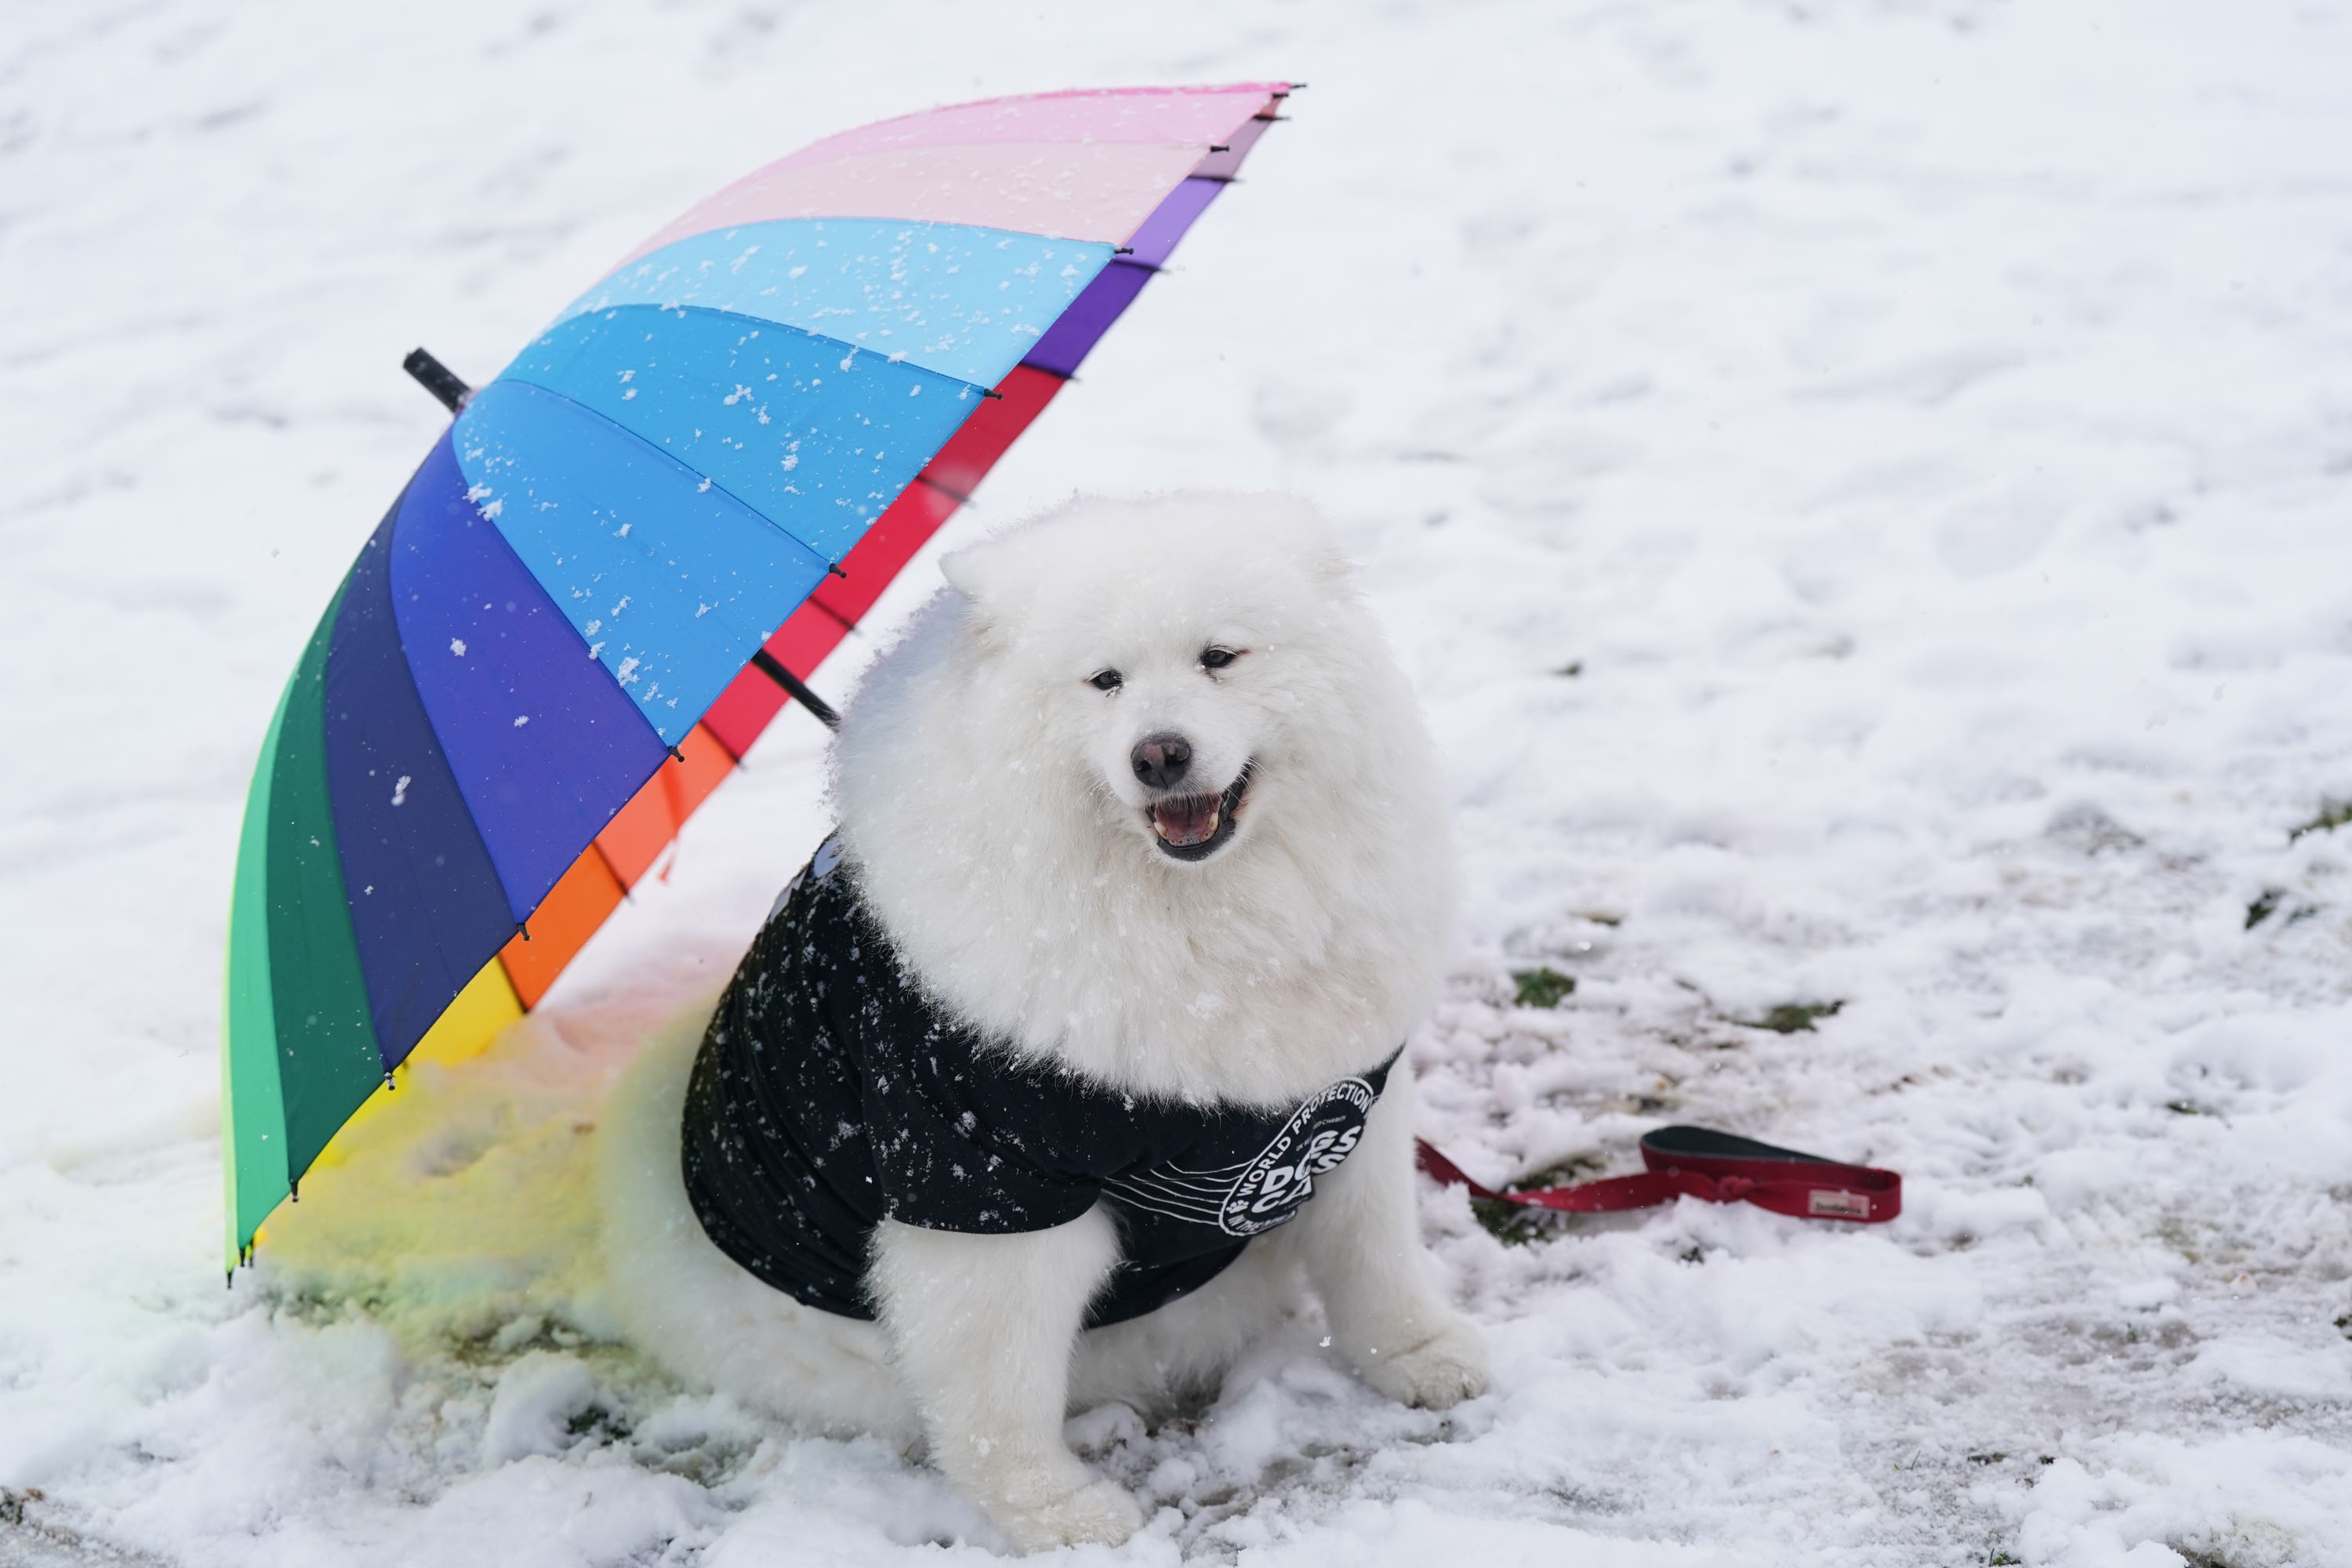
1188	821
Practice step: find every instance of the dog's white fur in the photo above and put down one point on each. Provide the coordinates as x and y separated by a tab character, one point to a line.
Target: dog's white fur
999	833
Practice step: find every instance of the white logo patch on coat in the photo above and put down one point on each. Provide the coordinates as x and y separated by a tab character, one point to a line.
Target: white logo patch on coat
1320	1134
1266	1189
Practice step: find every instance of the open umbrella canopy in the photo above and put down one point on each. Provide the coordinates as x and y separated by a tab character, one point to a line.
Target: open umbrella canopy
599	586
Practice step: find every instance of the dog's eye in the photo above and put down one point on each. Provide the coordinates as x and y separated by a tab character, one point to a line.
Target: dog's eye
1217	657
1104	680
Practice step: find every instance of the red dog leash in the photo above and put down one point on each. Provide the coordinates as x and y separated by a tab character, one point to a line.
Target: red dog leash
1699	1162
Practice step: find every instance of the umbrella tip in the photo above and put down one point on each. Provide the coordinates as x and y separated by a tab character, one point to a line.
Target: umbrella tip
437	379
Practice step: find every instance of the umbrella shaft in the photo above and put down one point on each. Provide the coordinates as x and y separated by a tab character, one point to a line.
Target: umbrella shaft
773	669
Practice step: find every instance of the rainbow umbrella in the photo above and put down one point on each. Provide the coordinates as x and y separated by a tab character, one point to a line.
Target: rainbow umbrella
611	572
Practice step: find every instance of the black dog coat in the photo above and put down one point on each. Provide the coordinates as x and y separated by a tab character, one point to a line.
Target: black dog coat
831	1093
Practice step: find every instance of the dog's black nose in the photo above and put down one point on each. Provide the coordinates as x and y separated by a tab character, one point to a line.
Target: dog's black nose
1161	760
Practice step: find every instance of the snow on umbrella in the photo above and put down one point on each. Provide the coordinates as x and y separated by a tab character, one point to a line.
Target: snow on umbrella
608	575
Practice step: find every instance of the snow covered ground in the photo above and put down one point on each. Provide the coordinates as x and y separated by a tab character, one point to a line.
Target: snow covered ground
1865	489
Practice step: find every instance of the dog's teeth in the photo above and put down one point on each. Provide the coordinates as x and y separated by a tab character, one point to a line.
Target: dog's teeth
1215	817
1157	826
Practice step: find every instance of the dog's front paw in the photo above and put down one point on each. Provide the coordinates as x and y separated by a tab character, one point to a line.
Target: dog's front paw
1099	1513
1447	1368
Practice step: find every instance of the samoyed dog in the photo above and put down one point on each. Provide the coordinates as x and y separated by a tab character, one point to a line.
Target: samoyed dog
1072	1062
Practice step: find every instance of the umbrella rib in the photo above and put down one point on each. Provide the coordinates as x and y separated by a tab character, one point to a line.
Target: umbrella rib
762	323
832	567
655	448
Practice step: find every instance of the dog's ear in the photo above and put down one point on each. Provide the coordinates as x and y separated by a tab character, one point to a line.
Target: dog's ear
966	570
1312	537
1297	528
977	572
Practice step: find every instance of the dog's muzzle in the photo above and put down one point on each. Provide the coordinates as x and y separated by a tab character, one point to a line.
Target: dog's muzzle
1195	827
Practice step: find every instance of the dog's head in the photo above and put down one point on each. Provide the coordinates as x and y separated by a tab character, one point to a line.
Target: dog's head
1175	653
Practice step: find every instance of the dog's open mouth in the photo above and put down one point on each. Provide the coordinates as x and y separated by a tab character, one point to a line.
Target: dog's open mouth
1195	827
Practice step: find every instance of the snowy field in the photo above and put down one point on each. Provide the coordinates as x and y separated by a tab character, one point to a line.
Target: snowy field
1865	491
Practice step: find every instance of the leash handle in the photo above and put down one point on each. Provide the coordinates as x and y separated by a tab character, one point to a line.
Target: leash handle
1719	1167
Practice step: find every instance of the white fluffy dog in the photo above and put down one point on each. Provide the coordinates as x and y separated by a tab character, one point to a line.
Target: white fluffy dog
1140	826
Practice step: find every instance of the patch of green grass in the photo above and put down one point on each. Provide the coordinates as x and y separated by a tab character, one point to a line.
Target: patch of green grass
1793	1017
2261	909
599	1423
1516	1227
1575	1168
2333	815
1544	988
1511	1225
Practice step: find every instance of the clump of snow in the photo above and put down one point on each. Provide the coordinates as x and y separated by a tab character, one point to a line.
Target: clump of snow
1861	489
537	1400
